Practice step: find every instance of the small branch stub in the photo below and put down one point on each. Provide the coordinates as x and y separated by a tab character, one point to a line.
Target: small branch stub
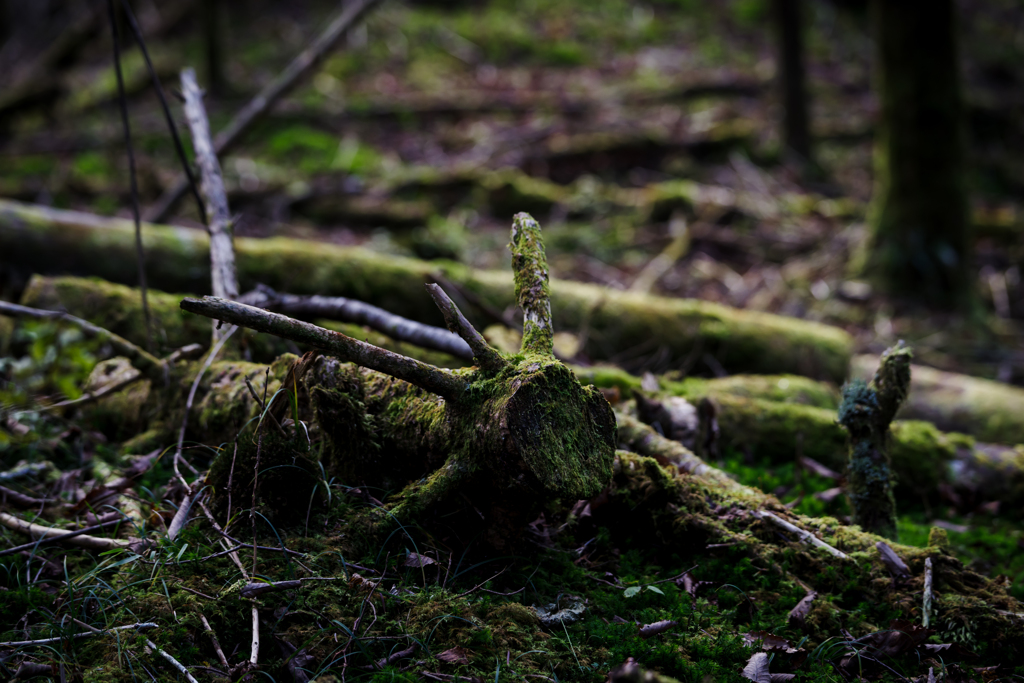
488	358
530	270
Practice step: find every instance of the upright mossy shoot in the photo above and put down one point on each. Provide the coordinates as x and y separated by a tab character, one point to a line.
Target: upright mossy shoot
867	411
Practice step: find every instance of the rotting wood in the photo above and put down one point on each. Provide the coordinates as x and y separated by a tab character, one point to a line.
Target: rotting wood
619	323
507	436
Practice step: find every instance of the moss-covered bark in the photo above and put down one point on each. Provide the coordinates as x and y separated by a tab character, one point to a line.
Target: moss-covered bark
920	241
867	411
52	241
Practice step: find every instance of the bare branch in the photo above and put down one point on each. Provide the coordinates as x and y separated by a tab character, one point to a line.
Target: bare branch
303	64
530	270
58	639
146	362
434	380
488	358
47	534
211	185
352	311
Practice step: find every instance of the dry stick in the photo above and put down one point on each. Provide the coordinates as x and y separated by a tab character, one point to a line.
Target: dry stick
94	632
216	643
173	662
183	352
141	359
805	536
133	183
268	97
488	358
435	380
12	496
180	516
352	311
179	148
95	395
211	185
46	534
926	607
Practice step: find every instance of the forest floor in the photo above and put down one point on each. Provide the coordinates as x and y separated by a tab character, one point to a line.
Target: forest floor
421	137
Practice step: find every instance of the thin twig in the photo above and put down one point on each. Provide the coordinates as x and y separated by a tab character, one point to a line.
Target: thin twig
488	358
263	407
140	358
178	147
11	496
434	380
216	643
352	311
185	505
46	534
96	395
95	632
133	182
805	536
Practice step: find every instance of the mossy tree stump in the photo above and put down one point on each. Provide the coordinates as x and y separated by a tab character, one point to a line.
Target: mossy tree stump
493	443
867	411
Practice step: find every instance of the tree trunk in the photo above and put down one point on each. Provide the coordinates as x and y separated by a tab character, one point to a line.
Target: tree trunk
790	72
618	323
920	234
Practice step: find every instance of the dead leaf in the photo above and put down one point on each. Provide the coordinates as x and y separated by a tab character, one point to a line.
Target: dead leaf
893	562
757	670
798	614
648	630
417	560
768	641
456	655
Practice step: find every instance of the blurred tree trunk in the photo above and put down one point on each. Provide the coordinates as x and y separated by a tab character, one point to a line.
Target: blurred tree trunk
213	30
791	78
919	241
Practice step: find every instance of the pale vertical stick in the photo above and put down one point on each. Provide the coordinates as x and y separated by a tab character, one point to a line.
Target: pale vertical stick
218	218
926	608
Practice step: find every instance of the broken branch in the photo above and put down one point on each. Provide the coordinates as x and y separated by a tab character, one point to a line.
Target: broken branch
434	380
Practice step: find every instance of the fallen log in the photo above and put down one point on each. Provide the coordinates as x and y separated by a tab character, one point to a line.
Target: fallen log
771	417
620	324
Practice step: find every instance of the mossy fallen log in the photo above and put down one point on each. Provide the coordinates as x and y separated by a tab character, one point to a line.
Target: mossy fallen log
38	239
772	417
